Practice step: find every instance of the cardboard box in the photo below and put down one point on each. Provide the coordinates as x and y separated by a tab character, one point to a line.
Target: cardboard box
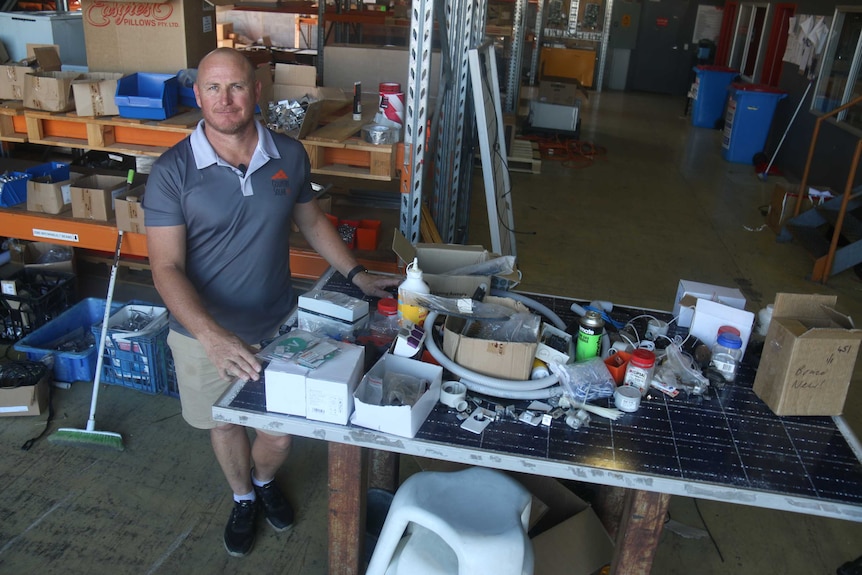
284	383
688	292
25	400
149	35
49	91
710	315
507	360
29	253
808	357
334	304
329	388
129	212
403	420
93	196
437	259
50	197
295	82
783	204
12	81
94	94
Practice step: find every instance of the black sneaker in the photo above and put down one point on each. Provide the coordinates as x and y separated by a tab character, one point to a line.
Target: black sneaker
279	513
240	530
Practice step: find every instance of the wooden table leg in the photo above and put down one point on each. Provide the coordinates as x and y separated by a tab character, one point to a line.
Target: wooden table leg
346	509
639	532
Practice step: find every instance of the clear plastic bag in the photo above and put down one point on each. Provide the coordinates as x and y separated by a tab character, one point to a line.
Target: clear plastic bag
521	327
682	368
402	389
502	265
585	381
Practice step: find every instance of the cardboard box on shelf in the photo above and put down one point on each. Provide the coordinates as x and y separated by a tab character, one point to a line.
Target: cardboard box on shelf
29	254
295	82
49	91
26	399
12	81
403	420
688	292
93	196
808	357
149	35
562	91
50	197
94	94
129	212
504	359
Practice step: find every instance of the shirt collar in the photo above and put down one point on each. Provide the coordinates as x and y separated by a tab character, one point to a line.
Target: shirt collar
206	156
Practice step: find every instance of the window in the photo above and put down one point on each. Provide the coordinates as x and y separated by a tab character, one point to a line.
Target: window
839	81
749	40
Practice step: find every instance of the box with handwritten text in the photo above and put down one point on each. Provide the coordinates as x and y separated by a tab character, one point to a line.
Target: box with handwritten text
808	356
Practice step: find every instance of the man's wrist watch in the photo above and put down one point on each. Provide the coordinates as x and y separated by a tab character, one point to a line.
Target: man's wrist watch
355	272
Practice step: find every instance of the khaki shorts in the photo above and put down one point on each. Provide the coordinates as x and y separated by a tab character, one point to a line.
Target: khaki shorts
198	381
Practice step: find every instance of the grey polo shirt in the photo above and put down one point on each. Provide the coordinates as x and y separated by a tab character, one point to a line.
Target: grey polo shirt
237	226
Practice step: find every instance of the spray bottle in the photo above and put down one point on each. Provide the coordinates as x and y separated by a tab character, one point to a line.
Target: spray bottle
414	284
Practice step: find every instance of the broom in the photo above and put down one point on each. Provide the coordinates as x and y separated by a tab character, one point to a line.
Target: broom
90	436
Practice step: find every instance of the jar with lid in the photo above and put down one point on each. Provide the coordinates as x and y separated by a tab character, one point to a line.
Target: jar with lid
726	355
386	317
640	370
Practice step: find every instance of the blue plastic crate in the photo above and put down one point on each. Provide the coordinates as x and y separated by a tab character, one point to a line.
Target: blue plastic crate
57	171
13	190
42	295
136	360
75	322
147	96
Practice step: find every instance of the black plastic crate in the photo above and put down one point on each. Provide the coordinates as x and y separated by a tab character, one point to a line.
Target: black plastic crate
40	296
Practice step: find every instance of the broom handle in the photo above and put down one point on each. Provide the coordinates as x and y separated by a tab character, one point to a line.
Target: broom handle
103	336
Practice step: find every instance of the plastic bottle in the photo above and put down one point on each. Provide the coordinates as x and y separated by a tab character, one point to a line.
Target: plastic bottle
726	355
413	284
640	370
540	369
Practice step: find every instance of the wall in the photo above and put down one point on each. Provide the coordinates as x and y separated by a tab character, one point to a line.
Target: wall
835	145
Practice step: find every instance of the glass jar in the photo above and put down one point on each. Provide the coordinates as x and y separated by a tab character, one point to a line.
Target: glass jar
726	355
640	370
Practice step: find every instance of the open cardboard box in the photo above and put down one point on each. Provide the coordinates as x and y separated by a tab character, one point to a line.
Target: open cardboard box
688	292
568	537
808	357
437	259
504	359
295	82
25	400
403	420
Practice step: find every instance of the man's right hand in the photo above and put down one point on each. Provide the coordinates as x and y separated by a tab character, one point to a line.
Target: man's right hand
233	358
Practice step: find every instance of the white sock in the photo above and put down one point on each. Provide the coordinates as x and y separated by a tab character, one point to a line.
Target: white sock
257	482
250	496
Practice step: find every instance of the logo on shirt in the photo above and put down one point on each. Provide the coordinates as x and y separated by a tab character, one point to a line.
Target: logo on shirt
280	184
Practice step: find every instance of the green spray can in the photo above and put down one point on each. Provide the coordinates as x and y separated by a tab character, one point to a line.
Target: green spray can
590	330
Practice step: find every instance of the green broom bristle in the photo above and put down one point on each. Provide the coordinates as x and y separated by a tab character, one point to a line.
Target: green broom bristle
84	437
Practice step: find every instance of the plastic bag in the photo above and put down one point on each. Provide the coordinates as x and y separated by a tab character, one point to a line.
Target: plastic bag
681	367
585	381
502	265
402	389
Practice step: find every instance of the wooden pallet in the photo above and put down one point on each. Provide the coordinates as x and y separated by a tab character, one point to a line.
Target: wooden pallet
110	133
353	158
525	157
13	126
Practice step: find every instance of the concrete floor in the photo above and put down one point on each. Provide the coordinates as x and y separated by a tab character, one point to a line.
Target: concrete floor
660	206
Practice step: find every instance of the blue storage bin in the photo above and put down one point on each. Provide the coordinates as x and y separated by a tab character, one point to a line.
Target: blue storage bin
77	321
147	96
13	190
57	171
747	120
137	360
710	96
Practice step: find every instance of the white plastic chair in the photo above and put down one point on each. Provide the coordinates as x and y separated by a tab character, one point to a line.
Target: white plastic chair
469	522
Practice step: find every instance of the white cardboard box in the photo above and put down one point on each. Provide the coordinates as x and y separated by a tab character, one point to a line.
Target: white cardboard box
709	316
334	304
402	420
285	388
329	388
688	292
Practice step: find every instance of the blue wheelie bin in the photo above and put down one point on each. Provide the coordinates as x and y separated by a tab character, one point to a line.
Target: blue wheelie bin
710	94
750	109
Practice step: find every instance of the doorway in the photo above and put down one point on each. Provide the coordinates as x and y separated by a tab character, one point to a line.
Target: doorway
662	60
